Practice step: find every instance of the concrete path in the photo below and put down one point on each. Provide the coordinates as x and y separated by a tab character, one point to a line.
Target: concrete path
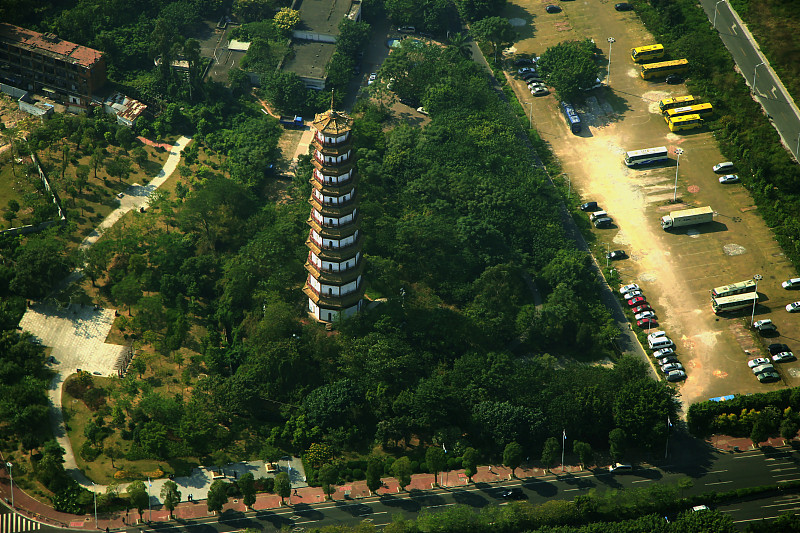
137	195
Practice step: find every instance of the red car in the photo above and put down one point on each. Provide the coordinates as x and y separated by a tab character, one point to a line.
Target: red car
647	323
643	307
639	300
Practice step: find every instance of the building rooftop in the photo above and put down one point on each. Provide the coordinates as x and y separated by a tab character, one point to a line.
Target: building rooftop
48	42
310	58
333	122
324	16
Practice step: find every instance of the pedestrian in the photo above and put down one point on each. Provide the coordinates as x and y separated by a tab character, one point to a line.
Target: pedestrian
295	492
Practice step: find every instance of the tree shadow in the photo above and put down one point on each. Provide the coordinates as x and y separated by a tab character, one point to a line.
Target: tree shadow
425	499
277	521
405	504
237	519
469	498
354	509
542	488
307	512
528	31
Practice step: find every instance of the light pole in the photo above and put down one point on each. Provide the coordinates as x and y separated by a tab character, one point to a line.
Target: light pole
530	114
797	151
607	252
755	300
11	477
611	41
95	505
678	151
569	186
755	74
715	13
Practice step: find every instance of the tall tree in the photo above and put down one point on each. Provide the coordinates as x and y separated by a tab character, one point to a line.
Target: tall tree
497	30
584	452
247	487
470	462
512	457
374	471
401	470
137	495
437	461
170	495
617	442
283	487
217	496
550	452
328	476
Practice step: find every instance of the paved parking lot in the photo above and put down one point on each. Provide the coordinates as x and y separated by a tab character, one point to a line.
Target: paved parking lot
676	270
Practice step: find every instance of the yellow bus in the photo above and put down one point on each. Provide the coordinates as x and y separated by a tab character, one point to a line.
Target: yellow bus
652	70
678	101
704	110
740	287
647	53
726	304
684	122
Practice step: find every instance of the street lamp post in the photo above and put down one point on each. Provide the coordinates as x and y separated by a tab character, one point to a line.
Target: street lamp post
11	477
678	152
569	186
95	505
607	252
715	12
611	41
757	277
755	74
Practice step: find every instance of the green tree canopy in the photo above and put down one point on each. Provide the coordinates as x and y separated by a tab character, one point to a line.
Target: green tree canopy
569	66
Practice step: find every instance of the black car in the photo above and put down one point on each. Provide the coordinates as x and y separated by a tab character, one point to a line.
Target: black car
513	494
617	254
777	348
521	62
529	75
623	6
552	8
674	79
589	206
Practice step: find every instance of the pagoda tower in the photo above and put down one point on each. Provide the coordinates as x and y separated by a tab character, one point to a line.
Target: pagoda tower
334	285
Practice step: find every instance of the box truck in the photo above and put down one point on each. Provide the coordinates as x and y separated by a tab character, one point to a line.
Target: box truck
687	217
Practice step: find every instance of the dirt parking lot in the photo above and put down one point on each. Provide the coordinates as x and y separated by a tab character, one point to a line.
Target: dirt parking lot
676	270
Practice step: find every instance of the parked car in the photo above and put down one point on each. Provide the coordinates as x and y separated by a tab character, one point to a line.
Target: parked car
407	29
525	70
623	6
592	206
664	352
765	326
723	167
783	357
638	309
656	334
793	283
551	8
541	90
636	301
596	85
763	368
603	222
666	360
645	314
647	323
676	375
768	377
632	294
422	111
674	79
515	493
793	307
777	348
699	508
372	78
757	362
616	255
620	467
669	367
523	61
532	79
729	178
629	288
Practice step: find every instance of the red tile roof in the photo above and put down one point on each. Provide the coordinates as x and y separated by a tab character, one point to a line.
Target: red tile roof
47	42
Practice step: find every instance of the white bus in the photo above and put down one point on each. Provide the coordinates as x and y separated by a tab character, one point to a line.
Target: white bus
648	156
724	304
734	288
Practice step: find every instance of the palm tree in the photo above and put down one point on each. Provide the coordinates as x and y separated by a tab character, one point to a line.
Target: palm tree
459	42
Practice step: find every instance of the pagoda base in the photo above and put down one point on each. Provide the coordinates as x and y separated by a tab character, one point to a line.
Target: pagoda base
326	314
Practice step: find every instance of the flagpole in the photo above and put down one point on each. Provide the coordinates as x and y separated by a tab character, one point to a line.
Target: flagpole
149	509
563	442
666	447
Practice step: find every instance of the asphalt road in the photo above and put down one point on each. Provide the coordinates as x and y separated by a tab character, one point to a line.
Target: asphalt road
766	85
708	469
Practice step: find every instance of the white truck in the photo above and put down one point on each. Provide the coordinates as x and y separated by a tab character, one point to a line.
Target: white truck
687	217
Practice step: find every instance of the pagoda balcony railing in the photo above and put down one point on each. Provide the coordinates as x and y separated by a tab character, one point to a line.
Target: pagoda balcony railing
339	183
311	288
322	161
337	225
322	141
330	203
331	247
330	270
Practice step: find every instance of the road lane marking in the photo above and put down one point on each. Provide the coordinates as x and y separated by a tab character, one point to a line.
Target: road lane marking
719	483
787	474
642	481
787	480
716	472
779	504
730	510
579	488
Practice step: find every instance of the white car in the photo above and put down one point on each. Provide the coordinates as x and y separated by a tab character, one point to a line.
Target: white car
372	78
656	334
729	178
523	70
422	111
783	357
670	367
723	167
540	90
793	283
763	368
668	359
628	288
664	352
676	375
793	307
632	294
644	314
758	361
